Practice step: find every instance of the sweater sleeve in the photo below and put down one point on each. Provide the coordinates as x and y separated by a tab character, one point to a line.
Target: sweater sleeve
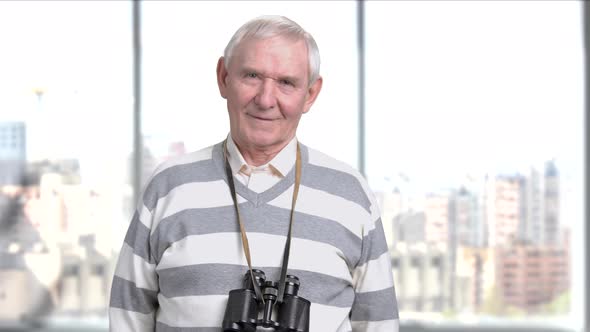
133	301
375	306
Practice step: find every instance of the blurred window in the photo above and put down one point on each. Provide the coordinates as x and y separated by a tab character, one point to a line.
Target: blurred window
474	142
65	124
482	99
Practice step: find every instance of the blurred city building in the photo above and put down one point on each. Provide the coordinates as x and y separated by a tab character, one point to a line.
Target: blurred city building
421	273
13	152
529	277
55	244
491	246
475	272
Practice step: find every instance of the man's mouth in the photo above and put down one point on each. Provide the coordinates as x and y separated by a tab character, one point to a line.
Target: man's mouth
261	118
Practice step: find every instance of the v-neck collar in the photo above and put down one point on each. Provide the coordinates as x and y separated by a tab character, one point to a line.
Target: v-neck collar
271	193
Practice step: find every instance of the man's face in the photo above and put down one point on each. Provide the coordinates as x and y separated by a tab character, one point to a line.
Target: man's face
267	89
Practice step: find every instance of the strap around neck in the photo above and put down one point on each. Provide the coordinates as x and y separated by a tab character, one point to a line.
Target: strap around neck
245	245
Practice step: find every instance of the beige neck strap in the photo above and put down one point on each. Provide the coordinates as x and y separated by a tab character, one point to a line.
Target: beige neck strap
245	245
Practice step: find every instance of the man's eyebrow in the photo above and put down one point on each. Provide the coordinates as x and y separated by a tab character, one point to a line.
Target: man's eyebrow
246	69
290	78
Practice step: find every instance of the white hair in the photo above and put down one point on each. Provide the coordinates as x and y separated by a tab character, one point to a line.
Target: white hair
268	26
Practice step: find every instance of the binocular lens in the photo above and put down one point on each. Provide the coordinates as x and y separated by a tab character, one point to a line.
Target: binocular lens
241	311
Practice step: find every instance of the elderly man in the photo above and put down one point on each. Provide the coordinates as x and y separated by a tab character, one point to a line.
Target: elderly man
212	221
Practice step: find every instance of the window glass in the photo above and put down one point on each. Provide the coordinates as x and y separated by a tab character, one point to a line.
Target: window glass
474	143
475	147
65	146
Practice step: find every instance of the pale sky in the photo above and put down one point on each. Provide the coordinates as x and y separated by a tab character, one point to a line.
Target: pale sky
473	86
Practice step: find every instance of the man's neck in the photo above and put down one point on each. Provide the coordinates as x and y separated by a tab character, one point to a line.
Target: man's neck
256	156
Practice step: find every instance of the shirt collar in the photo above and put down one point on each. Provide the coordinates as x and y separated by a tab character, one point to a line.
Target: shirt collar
281	163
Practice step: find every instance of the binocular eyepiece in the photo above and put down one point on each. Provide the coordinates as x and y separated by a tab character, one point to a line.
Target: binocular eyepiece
244	312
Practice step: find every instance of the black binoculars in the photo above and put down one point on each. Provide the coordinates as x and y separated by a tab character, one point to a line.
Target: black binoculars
244	312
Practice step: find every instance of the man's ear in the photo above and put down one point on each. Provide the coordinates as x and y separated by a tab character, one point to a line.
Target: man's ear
221	77
312	93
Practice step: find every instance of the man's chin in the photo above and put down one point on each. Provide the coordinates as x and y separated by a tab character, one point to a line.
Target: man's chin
265	142
261	144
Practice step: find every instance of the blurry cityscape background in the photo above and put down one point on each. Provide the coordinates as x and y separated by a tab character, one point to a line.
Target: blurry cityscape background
473	142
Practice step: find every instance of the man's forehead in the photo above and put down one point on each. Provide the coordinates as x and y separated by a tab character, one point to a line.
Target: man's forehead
291	53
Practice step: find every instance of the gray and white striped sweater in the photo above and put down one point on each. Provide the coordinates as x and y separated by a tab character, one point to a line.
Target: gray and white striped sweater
182	253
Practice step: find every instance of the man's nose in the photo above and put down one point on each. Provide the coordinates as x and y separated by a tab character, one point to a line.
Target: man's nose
266	98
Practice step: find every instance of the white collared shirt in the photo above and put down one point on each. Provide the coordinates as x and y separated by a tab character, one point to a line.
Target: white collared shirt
261	178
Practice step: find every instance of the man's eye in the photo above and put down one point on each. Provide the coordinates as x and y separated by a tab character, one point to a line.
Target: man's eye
251	75
286	82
